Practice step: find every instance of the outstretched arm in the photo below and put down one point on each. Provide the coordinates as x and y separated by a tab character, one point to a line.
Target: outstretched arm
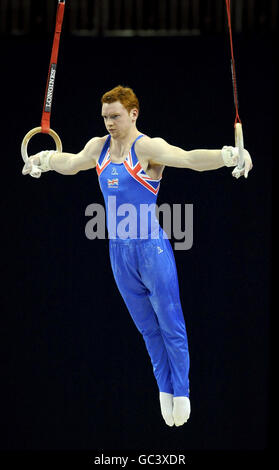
67	163
159	152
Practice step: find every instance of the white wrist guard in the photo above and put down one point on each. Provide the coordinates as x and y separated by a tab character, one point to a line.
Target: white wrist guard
45	156
230	155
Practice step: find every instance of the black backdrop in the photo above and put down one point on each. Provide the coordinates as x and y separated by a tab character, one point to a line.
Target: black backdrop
75	372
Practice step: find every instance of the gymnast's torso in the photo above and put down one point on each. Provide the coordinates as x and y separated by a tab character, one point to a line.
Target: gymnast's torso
116	156
130	186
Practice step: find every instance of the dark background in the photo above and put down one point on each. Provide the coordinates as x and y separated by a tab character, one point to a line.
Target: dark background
75	372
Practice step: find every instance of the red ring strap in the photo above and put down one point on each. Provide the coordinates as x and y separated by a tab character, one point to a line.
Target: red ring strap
45	121
237	118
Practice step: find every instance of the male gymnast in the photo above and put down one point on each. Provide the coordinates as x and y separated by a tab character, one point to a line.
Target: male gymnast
130	165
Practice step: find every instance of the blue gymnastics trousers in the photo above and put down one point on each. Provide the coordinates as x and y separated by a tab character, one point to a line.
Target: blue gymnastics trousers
146	276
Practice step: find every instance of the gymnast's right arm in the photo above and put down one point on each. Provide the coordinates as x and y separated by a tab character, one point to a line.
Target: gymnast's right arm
66	163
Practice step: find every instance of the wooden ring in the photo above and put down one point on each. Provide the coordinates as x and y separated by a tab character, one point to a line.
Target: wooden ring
34	131
238	135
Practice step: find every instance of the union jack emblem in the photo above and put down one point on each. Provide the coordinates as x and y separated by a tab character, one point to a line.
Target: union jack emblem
113	183
139	175
104	164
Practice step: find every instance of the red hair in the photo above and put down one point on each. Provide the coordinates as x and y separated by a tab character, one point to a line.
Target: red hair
125	95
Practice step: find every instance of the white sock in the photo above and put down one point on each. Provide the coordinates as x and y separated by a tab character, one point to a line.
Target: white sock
181	410
166	403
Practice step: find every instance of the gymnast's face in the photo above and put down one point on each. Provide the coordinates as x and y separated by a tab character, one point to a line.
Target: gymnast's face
117	119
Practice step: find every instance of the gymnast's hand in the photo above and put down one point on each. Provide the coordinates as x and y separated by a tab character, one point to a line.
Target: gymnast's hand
248	165
38	163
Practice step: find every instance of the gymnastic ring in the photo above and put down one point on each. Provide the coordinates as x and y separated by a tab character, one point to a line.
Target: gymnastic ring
34	131
239	142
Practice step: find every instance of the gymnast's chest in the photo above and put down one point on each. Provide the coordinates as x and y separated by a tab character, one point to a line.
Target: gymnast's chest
115	179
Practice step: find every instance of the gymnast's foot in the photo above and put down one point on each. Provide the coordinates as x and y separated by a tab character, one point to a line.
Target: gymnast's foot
166	403
181	410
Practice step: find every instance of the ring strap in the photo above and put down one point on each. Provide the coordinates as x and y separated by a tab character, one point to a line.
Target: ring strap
235	96
45	121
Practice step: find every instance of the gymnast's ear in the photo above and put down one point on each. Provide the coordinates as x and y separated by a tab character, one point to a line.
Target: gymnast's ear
134	114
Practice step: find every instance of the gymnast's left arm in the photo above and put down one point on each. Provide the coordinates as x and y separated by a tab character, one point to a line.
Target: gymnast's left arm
162	153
